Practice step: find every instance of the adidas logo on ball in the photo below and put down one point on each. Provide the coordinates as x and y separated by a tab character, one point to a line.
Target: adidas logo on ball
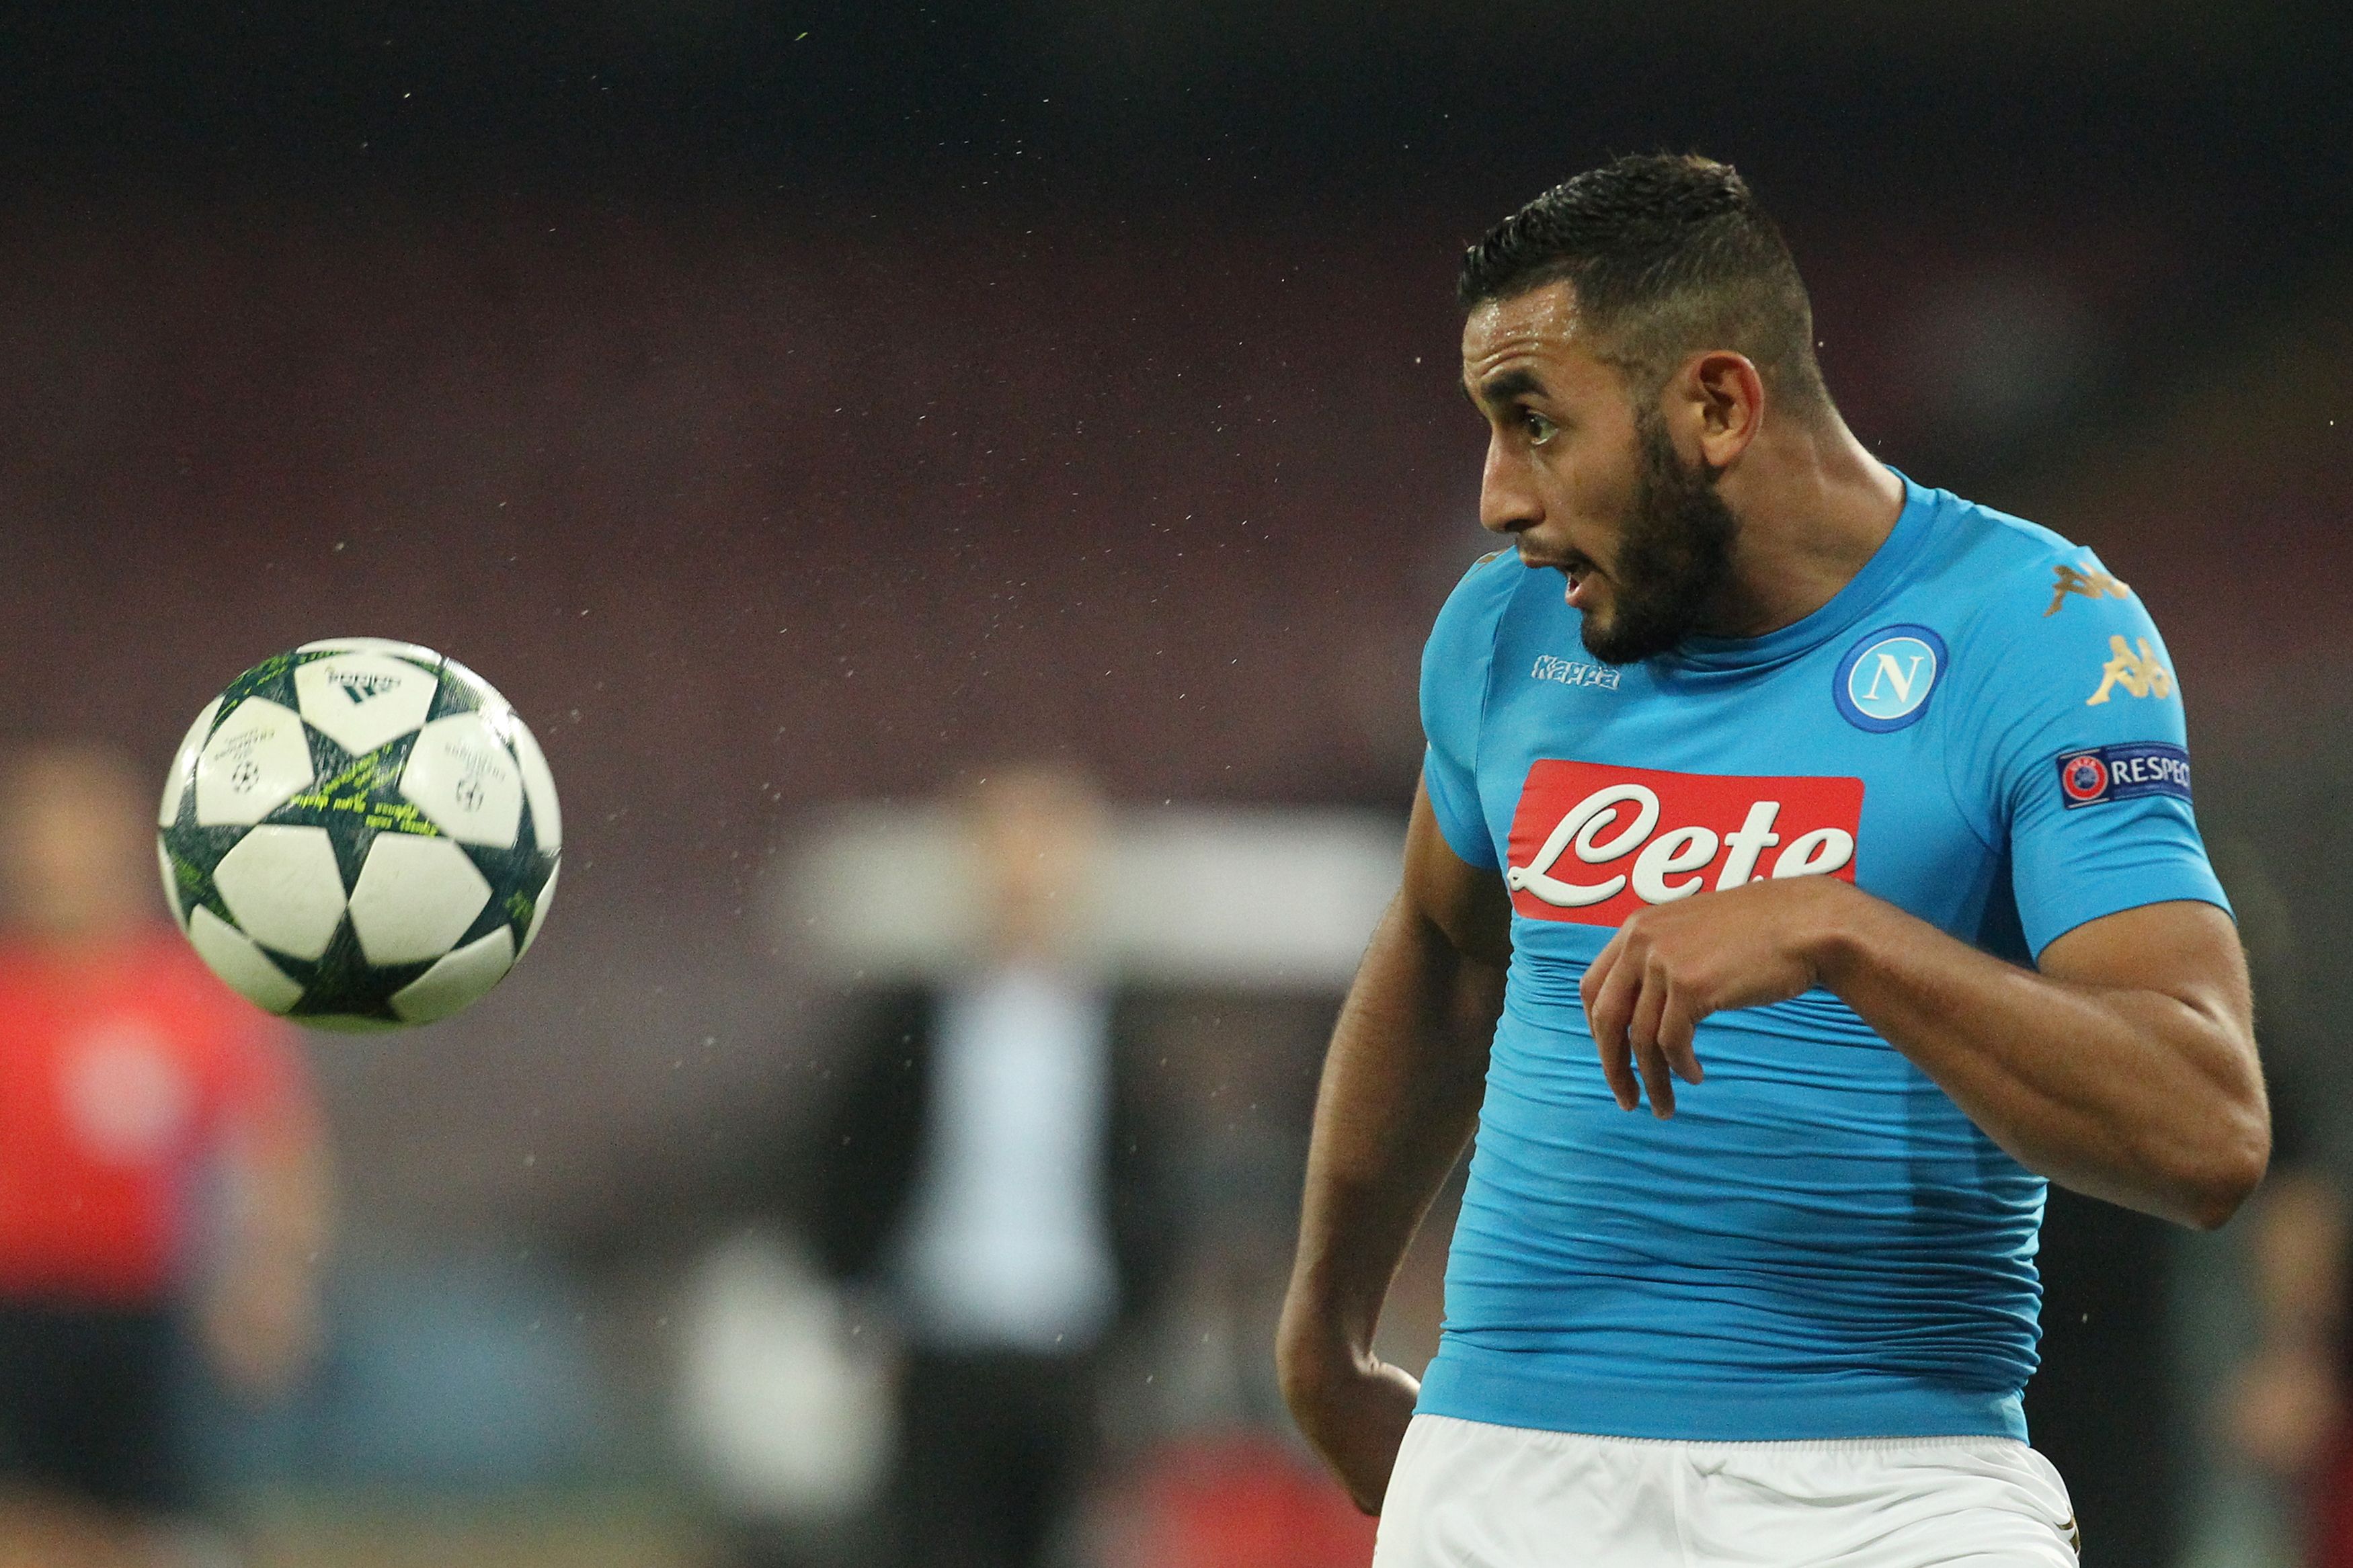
360	835
359	687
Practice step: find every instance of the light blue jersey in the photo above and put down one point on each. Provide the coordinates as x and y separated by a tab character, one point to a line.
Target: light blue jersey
1982	729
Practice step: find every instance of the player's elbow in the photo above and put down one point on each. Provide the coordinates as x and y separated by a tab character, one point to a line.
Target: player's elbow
1307	1366
2232	1169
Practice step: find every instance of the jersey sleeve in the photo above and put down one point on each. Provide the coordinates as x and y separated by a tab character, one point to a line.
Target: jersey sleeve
1455	665
2073	738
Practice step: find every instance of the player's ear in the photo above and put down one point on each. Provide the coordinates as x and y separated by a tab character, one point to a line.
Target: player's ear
1725	398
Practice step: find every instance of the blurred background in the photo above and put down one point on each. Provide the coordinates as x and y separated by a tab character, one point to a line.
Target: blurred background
856	437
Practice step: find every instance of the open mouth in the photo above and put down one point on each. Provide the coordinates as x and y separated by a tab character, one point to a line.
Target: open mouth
1577	569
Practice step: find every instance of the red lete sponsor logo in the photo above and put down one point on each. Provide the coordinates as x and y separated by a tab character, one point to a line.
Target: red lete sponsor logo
1592	843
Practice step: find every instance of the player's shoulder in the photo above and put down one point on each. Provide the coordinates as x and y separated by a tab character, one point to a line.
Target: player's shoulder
1997	575
1988	557
2028	611
1479	602
1488	582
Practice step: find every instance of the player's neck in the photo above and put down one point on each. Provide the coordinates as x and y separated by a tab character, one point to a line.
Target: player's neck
1814	507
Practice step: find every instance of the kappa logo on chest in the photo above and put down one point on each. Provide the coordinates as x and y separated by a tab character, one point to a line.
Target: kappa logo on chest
1592	843
1575	672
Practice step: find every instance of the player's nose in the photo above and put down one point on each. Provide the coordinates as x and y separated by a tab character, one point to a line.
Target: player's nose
1507	500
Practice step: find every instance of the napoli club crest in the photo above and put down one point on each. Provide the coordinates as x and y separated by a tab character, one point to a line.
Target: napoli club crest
1882	683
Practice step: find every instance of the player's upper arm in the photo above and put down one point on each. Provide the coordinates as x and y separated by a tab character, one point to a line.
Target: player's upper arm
1457	665
2186	950
1468	904
2072	735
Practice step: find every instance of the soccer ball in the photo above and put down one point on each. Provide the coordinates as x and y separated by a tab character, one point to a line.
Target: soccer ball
360	834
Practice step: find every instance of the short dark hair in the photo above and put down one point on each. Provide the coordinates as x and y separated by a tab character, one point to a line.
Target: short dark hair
1668	255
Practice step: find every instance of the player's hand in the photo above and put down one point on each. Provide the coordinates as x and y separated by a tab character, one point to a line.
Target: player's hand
1355	1409
1671	965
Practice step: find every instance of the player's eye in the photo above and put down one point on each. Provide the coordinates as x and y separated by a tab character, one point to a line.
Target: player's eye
1539	428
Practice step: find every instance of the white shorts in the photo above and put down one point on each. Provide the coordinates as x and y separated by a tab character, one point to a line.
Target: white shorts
1470	1494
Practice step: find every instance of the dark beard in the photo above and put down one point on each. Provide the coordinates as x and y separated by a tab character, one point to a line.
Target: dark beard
1675	557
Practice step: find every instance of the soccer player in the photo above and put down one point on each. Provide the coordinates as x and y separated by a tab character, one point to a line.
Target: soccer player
162	1174
1845	822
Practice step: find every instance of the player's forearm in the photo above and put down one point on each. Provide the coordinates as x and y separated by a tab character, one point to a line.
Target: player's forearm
1398	1100
2138	1096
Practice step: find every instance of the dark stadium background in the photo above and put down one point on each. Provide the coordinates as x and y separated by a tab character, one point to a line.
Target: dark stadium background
794	403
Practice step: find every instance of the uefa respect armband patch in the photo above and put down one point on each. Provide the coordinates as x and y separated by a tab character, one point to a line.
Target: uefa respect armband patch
2123	773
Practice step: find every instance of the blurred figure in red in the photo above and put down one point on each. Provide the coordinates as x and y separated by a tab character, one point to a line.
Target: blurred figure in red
1240	1500
161	1174
2289	1411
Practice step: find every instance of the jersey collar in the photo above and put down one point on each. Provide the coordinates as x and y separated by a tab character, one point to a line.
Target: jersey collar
1863	592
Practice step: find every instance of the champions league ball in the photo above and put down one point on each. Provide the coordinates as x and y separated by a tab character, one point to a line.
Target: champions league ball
360	835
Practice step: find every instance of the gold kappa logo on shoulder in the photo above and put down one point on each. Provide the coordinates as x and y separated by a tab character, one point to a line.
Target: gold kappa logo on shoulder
2087	581
2139	673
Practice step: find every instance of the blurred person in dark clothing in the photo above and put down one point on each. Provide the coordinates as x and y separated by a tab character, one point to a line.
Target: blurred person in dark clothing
161	1175
987	1168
